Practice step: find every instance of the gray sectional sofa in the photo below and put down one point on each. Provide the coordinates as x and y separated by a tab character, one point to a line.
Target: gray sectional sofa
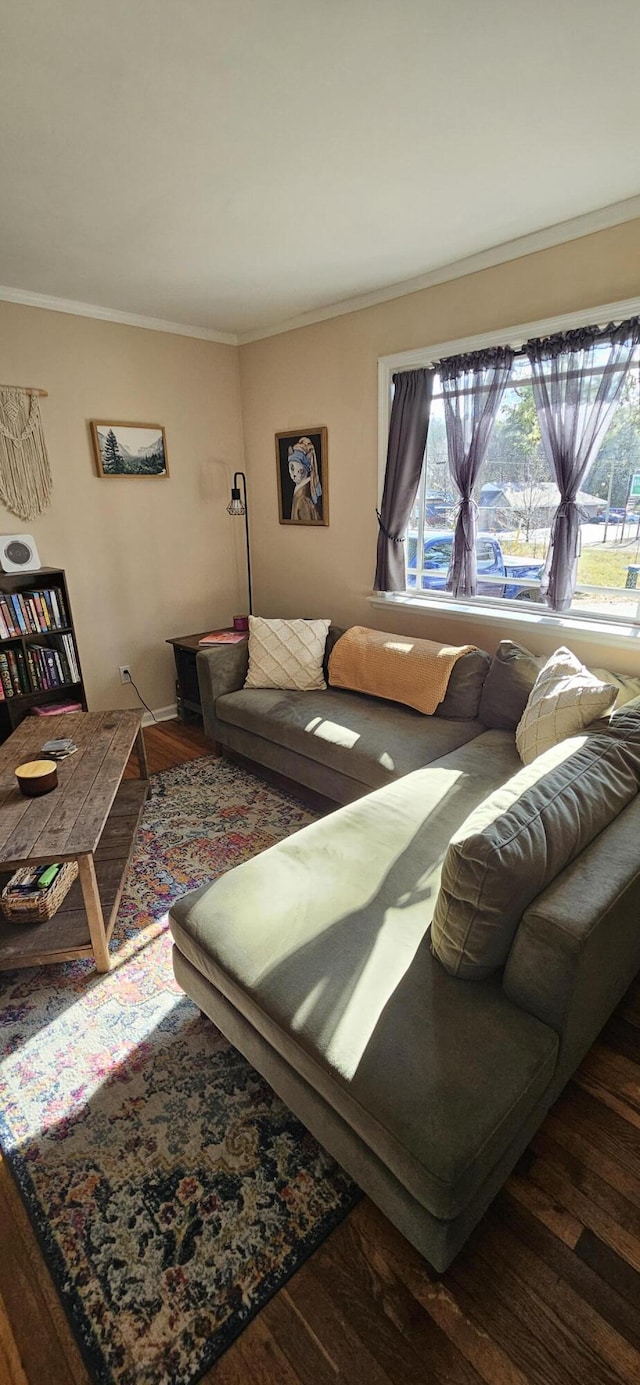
338	743
314	957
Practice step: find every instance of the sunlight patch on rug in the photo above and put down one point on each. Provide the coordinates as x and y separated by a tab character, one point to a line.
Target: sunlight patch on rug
171	1189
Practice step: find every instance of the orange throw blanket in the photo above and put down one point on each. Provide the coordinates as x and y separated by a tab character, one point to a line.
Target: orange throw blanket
397	667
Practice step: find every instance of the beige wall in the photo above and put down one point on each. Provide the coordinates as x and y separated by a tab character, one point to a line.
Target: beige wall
327	374
145	559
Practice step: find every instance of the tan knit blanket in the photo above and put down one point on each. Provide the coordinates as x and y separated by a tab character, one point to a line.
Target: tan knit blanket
397	667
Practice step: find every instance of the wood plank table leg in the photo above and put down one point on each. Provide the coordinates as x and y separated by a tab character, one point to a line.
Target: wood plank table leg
141	751
95	917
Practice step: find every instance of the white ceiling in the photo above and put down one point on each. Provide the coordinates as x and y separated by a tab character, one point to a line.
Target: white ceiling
231	164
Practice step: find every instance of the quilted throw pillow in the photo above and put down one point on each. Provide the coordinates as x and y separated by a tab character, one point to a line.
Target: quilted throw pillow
286	653
564	699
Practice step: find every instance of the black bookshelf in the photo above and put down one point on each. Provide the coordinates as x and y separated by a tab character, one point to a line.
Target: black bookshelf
14	708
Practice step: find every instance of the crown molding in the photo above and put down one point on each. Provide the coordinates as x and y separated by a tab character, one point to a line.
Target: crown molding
149	324
600	220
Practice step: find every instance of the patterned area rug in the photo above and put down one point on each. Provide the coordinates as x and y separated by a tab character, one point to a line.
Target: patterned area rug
172	1192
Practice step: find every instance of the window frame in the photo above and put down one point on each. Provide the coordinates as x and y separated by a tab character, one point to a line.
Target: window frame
428	356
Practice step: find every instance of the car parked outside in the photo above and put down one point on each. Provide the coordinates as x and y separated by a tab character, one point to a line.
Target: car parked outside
615	516
491	562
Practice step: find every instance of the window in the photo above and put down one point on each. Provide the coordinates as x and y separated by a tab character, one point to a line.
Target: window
517	497
486	554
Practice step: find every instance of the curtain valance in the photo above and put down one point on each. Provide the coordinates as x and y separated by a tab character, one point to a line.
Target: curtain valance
544	348
582	339
472	362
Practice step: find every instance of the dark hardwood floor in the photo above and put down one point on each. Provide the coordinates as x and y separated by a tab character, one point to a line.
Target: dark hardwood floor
169	743
547	1292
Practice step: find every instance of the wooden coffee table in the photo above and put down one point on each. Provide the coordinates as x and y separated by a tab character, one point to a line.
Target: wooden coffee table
91	818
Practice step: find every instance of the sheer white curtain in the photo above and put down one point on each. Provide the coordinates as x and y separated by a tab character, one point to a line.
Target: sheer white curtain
473	387
577	380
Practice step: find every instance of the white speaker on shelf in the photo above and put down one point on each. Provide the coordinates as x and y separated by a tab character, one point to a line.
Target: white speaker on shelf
18	553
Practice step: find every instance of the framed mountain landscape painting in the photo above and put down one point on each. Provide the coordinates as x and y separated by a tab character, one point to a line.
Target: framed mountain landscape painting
129	449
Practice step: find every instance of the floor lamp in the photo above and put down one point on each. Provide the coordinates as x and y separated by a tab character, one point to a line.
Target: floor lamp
238	506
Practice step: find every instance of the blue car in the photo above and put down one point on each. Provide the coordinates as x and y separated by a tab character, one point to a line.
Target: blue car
491	561
615	516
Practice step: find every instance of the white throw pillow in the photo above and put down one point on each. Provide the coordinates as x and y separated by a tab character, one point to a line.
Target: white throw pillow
564	699
286	653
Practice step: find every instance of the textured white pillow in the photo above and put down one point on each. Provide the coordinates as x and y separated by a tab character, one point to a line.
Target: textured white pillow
286	653
564	699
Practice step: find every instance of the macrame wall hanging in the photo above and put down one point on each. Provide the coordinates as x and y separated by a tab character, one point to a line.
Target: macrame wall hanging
25	474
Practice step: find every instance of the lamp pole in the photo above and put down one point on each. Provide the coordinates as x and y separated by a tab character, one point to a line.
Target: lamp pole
238	505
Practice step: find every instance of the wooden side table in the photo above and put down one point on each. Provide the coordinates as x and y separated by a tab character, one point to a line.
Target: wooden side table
185	650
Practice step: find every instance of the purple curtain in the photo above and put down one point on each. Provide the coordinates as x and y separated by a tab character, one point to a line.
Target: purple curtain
408	429
577	379
473	387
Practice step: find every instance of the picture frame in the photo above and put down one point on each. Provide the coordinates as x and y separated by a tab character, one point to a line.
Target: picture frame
302	473
129	449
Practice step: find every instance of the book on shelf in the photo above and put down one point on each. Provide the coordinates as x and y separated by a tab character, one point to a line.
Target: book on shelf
51	666
223	637
34	612
23	674
14	672
5	676
8	620
39	668
70	652
19	613
53	709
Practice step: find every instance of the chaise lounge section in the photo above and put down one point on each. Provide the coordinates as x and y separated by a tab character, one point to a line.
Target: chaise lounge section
315	960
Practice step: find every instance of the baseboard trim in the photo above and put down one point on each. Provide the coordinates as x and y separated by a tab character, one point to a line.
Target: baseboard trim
160	714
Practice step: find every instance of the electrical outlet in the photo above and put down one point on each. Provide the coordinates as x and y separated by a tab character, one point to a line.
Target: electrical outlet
125	673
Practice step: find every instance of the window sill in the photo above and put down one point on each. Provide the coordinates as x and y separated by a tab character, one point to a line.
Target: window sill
508	620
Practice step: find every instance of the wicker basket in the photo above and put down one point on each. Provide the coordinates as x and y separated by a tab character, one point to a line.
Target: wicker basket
42	904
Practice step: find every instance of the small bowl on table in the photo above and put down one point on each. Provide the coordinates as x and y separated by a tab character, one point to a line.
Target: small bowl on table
36	777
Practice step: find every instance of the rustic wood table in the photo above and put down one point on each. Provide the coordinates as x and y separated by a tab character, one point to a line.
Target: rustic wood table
91	818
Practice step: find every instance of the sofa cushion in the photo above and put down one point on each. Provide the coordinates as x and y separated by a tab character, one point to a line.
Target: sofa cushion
365	738
508	684
625	720
491	757
321	943
462	698
628	688
400	668
564	699
286	653
333	635
511	677
577	947
519	839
